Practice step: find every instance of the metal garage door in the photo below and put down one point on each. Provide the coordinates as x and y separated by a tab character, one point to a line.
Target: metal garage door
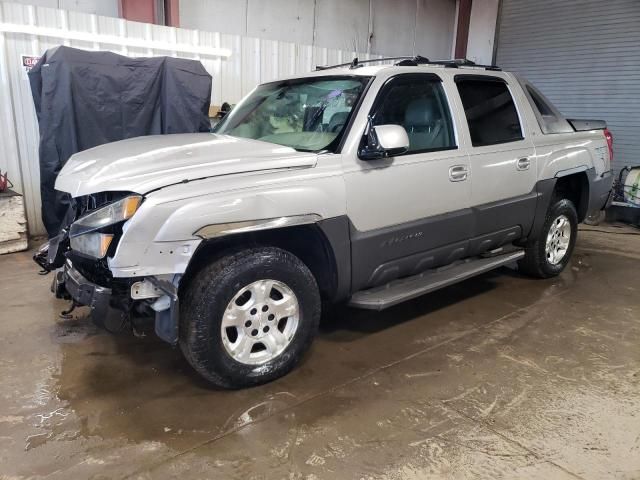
584	55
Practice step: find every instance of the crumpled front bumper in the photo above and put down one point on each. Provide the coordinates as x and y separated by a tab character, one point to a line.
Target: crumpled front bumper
69	282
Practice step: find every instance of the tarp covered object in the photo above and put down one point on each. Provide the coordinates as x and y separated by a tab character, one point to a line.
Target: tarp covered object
87	98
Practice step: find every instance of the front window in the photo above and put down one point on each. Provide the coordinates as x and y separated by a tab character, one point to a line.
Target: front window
308	114
417	103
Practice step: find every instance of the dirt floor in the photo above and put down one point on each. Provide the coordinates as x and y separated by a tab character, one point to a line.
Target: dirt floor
500	376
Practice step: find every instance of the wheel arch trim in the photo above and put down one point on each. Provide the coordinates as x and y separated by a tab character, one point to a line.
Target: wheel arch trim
571	171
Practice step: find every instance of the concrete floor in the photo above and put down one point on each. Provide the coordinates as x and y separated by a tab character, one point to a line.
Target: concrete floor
500	376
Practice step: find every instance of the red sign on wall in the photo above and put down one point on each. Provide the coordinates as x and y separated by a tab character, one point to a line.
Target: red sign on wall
29	61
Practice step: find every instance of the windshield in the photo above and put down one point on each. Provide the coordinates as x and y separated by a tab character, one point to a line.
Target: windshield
308	114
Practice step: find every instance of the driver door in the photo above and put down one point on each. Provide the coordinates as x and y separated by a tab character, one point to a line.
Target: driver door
410	212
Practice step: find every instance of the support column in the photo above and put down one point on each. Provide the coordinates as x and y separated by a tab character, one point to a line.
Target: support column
172	13
462	32
138	10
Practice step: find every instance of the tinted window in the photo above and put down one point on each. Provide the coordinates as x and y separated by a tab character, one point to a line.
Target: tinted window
540	104
548	116
417	103
490	111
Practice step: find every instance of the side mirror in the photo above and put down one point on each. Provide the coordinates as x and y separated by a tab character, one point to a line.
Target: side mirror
383	141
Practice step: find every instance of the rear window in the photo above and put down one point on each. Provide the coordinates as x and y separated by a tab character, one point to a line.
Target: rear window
543	108
549	118
490	110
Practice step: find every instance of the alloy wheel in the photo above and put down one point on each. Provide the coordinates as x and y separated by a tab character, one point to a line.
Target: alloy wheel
260	322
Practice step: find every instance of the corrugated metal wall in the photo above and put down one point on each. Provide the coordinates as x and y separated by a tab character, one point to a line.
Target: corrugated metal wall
108	8
585	56
252	61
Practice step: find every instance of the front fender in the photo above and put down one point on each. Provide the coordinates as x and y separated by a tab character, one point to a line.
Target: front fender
163	235
250	206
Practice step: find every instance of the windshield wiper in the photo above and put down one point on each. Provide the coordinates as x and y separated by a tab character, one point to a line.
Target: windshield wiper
307	150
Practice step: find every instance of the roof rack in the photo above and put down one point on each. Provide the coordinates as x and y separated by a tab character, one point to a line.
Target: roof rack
412	61
462	62
355	63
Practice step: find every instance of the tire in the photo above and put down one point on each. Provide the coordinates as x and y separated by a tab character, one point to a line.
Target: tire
218	322
538	261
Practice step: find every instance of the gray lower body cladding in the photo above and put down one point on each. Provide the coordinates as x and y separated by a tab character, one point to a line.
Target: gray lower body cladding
599	191
383	255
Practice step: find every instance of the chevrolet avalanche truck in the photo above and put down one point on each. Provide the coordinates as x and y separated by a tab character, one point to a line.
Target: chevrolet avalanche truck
364	184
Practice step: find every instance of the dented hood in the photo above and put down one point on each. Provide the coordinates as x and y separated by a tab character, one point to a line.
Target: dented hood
143	164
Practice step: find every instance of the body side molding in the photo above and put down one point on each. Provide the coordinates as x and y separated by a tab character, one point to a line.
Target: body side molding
222	229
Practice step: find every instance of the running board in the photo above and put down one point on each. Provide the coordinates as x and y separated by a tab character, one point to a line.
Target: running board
397	291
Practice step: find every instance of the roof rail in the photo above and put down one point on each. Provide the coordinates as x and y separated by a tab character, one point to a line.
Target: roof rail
463	62
412	61
355	63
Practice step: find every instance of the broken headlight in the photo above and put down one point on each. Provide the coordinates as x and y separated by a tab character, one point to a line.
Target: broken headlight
92	244
84	234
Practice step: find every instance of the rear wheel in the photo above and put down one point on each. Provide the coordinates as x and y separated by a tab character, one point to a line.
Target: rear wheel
550	253
248	318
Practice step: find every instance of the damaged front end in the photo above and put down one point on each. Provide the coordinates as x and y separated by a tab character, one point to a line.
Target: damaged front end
78	257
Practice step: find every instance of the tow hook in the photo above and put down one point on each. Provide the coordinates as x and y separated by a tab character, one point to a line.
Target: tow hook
66	314
41	258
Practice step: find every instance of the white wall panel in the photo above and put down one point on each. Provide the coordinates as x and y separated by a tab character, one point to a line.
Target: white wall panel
98	7
434	28
231	69
250	64
393	26
252	61
342	24
285	20
482	30
224	16
387	27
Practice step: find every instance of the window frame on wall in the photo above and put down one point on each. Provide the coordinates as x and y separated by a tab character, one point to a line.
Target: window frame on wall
489	79
442	100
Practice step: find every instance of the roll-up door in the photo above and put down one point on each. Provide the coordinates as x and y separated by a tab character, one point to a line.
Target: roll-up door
582	54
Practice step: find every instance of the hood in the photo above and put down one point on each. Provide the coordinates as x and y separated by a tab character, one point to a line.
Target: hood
143	164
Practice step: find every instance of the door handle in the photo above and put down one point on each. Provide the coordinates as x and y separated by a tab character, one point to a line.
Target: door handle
458	173
523	163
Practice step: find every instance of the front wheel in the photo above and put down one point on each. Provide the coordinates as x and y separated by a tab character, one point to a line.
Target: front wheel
248	318
550	253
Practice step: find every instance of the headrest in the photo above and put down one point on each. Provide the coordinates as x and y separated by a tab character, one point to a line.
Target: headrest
421	112
338	119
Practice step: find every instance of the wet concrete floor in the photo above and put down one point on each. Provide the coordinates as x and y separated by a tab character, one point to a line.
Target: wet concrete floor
500	376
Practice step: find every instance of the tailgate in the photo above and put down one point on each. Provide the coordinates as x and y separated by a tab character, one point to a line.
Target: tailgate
586	125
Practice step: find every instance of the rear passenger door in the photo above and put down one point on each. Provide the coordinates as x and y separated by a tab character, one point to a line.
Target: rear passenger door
502	161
